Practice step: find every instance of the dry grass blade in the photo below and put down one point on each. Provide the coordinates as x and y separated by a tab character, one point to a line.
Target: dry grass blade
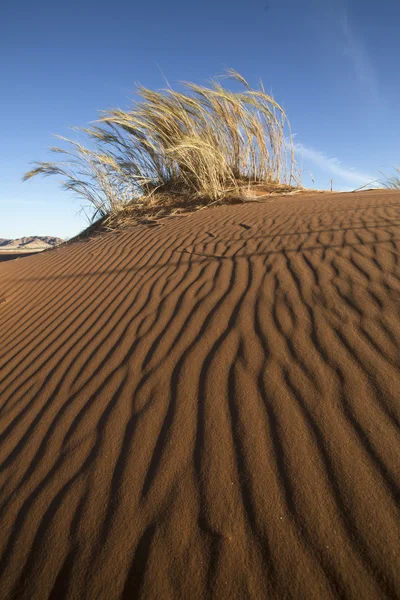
393	183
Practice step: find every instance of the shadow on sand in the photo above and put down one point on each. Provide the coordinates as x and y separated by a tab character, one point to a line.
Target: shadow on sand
14	255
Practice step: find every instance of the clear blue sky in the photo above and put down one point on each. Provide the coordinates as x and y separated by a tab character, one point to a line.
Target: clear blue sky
332	64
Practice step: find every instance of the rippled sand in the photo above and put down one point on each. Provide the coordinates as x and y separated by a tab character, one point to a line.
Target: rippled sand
207	408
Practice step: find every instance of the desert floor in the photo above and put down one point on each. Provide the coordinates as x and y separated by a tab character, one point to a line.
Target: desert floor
206	408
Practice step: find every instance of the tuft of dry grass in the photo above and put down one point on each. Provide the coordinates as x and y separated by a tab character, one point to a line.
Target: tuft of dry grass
393	183
196	146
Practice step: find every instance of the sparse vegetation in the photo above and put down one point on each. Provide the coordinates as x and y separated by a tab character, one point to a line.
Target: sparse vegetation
202	144
393	183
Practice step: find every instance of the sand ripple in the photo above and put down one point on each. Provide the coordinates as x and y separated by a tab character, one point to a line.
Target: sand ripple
208	408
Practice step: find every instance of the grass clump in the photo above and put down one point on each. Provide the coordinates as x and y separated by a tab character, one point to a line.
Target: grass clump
203	144
393	183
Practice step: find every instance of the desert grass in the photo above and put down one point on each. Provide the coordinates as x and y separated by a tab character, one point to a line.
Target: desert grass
197	146
393	183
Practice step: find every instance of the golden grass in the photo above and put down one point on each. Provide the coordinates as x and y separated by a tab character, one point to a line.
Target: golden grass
199	146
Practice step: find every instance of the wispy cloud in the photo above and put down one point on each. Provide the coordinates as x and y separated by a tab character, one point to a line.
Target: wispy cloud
338	29
17	202
33	202
356	50
350	175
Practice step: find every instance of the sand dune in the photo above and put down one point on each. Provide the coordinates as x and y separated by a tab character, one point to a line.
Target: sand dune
14	255
207	408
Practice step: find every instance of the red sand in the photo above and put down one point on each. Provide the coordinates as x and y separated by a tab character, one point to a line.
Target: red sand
14	255
208	408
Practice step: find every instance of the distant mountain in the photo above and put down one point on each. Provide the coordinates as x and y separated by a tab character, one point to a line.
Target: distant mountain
29	244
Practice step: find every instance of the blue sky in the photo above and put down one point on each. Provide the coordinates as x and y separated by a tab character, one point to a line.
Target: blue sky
332	64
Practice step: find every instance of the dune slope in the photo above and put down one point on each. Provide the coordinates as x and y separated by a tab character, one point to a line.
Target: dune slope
207	408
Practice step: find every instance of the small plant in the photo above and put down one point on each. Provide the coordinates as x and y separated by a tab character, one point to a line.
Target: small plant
393	183
205	143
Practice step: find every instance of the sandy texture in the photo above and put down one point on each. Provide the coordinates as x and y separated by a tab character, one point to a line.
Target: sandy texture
208	408
13	256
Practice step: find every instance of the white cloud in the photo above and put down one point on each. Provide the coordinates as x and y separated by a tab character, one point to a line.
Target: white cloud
357	52
333	166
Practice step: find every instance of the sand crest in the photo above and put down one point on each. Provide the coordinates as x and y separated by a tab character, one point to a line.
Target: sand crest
207	408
